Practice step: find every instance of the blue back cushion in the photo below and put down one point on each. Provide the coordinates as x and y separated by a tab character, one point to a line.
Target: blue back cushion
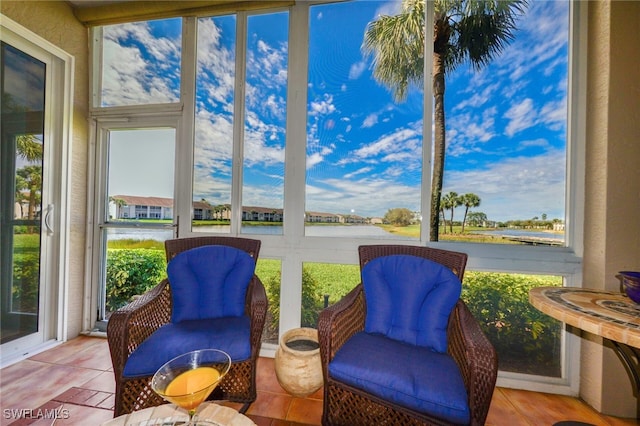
209	282
409	299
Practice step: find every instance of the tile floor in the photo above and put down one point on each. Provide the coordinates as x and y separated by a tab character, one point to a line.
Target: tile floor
76	378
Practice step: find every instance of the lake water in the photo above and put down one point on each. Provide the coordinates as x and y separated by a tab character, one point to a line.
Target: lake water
523	233
354	231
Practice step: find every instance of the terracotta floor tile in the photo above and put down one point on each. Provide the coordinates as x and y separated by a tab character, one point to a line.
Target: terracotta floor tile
319	394
24	373
503	412
105	382
61	353
270	404
555	408
81	415
30	417
266	379
308	411
82	363
260	420
109	403
616	421
33	391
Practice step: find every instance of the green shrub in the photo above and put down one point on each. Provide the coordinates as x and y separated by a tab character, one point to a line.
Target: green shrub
335	280
26	276
132	272
272	287
526	339
312	301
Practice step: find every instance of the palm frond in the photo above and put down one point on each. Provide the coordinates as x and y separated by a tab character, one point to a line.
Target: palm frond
397	46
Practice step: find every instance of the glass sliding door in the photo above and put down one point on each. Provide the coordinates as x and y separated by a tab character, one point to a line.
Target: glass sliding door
22	161
33	215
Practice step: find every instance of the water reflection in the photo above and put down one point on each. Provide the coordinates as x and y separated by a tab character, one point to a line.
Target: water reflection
354	231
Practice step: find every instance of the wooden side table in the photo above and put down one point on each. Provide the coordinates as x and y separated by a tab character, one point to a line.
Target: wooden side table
163	414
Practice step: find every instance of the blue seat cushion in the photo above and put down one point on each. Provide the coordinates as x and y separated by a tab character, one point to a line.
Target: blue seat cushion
410	376
209	282
410	299
231	334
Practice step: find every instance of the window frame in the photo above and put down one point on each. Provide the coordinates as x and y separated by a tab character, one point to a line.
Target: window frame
293	248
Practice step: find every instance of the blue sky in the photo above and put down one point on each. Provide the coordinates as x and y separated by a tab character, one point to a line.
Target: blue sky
505	125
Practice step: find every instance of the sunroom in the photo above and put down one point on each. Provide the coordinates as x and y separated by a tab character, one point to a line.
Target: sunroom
267	120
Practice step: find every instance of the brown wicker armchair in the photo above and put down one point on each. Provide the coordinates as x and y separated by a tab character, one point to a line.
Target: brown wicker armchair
133	324
474	355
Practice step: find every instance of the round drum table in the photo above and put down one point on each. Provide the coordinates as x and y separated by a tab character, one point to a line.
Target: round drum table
168	413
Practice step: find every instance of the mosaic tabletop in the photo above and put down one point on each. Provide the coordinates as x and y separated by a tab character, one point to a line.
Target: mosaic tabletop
608	314
208	413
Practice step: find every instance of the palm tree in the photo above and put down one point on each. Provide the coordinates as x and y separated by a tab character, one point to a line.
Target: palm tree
464	30
469	200
32	178
451	201
119	203
29	147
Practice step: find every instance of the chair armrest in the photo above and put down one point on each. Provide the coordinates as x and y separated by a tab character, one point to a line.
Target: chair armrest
476	358
338	322
134	323
256	308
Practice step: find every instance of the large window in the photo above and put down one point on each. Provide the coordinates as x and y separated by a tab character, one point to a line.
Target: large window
140	63
505	168
362	148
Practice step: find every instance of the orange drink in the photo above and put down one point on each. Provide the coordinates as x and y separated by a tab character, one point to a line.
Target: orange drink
192	387
188	379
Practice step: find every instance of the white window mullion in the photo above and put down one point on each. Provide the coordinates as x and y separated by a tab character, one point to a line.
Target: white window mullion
238	123
184	147
295	168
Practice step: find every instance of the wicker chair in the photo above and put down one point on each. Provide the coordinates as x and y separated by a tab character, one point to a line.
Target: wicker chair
472	352
133	324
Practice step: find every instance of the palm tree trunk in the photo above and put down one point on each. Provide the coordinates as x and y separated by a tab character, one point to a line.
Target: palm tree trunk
438	144
451	220
464	219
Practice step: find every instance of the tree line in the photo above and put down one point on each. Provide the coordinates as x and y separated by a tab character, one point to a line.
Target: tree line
448	204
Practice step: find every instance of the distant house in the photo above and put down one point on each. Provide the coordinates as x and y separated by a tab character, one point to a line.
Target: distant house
202	211
352	218
262	214
134	207
318	217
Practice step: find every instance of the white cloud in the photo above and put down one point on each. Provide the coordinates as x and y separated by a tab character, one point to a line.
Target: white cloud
478	99
129	78
517	187
322	106
554	114
392	143
313	159
367	196
360	171
370	121
356	70
521	116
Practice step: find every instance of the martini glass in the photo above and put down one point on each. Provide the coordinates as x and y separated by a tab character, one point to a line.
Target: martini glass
187	380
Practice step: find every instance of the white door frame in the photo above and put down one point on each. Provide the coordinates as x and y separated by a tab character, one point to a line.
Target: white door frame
52	325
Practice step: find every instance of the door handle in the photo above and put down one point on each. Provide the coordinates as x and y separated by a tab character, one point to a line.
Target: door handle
48	217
